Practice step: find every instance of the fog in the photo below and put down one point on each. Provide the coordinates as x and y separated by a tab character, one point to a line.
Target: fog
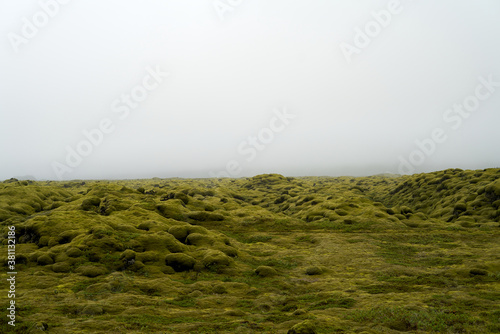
137	89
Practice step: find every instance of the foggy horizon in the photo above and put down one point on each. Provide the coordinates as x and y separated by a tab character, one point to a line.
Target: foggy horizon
134	90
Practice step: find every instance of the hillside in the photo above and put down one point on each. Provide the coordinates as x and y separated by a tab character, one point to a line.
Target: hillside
267	254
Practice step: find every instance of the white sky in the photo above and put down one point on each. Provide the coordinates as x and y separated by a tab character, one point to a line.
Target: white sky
228	75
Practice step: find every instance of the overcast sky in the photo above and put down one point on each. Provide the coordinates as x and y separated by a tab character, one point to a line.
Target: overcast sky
163	88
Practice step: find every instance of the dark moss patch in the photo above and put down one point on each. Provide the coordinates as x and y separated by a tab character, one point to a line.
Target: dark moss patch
313	271
180	261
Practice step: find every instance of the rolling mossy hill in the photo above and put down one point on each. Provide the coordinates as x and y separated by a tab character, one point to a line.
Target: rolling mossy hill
267	254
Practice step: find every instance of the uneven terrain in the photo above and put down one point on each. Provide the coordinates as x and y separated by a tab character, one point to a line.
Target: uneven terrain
267	254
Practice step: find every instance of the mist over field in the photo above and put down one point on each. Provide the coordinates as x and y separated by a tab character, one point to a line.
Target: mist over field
129	89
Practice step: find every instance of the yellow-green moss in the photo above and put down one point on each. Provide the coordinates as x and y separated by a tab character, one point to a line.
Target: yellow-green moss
422	246
266	271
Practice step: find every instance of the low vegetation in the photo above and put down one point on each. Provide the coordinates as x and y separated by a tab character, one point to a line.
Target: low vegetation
267	254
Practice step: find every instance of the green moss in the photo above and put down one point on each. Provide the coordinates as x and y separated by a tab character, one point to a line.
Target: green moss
460	207
341	212
180	261
128	255
182	301
66	236
181	196
219	289
306	238
4	215
173	209
148	257
284	262
180	232
92	310
160	241
406	319
336	300
91	271
266	271
146	226
198	239
214	259
313	270
287	224
228	250
405	210
205	216
53	241
197	229
61	267
21	208
135	265
91	204
305	327
44	260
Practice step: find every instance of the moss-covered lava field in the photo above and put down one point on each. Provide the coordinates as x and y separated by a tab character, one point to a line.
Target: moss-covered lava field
267	254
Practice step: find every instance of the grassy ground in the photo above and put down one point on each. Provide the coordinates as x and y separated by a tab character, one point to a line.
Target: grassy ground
267	254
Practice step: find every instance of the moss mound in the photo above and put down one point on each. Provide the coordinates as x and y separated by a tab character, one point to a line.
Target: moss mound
44	260
61	267
160	241
199	239
180	261
214	259
91	204
266	271
314	270
205	216
179	232
91	271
